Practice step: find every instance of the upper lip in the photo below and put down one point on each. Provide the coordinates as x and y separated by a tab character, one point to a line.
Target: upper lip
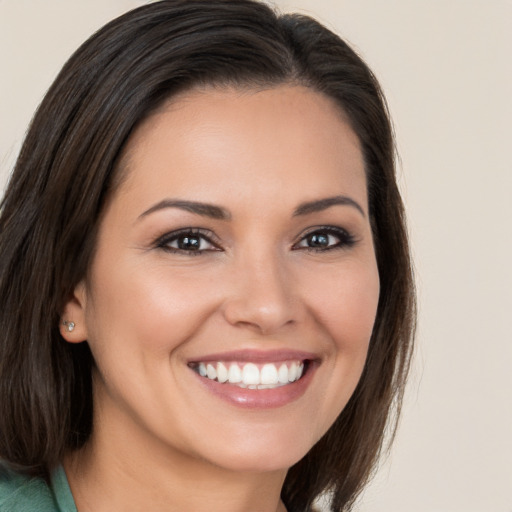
257	356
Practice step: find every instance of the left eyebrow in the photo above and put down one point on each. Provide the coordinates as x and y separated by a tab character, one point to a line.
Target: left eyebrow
322	204
204	209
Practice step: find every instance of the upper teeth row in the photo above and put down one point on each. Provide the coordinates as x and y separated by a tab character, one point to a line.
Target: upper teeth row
250	375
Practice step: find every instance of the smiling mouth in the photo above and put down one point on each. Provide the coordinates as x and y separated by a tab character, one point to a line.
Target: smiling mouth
250	375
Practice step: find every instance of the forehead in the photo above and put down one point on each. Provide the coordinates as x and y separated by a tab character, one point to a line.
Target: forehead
214	140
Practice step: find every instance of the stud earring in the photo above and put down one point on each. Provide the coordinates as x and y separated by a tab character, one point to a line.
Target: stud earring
69	325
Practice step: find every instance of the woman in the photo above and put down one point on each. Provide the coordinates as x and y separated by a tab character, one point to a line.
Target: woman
207	299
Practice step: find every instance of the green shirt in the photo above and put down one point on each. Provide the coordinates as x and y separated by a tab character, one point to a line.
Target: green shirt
20	493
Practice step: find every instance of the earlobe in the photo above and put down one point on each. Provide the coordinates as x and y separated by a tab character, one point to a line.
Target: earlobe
72	321
70	326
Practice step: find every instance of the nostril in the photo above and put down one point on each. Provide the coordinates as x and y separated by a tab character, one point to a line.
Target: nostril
262	313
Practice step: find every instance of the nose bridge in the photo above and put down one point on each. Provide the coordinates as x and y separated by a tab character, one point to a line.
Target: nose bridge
261	294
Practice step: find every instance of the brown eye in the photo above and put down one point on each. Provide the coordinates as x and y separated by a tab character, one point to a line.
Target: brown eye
319	240
326	239
187	241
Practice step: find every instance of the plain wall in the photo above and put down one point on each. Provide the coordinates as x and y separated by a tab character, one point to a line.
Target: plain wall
446	68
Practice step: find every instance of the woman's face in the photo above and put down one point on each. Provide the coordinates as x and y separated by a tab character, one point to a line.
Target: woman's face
236	254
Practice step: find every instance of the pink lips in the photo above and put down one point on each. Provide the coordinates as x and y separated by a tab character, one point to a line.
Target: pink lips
257	356
259	398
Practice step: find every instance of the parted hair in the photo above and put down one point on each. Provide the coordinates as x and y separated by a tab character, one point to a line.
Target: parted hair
68	168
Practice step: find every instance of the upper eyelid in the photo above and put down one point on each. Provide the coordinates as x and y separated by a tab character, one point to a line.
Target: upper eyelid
333	229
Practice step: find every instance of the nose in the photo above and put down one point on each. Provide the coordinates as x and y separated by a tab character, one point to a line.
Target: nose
261	296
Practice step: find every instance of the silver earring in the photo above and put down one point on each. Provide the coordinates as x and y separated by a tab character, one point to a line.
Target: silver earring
69	325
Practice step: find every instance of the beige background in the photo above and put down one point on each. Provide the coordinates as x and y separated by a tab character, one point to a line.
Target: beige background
446	67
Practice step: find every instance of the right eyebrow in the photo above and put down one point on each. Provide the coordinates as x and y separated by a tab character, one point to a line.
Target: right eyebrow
204	209
322	204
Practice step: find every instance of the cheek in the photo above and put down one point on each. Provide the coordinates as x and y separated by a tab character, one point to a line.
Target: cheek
149	308
342	300
345	302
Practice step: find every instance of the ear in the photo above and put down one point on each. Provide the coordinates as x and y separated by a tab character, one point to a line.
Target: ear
72	321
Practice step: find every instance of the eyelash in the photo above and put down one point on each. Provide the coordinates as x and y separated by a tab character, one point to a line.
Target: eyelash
345	240
203	235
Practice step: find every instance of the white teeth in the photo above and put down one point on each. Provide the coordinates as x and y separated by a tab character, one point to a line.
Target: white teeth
251	376
211	372
268	374
292	372
234	374
283	374
222	373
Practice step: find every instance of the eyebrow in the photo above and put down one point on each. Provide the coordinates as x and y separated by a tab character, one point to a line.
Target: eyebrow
219	213
322	204
204	209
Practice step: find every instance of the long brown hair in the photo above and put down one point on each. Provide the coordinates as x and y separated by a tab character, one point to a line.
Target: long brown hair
67	170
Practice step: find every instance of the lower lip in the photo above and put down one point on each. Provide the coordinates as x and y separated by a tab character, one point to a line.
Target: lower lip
260	398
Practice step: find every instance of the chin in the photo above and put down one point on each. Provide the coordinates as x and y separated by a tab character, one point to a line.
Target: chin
270	454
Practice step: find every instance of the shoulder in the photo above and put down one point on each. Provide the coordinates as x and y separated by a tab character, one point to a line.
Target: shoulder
20	493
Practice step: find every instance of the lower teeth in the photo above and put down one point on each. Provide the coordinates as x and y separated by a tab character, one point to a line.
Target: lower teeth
257	386
254	386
